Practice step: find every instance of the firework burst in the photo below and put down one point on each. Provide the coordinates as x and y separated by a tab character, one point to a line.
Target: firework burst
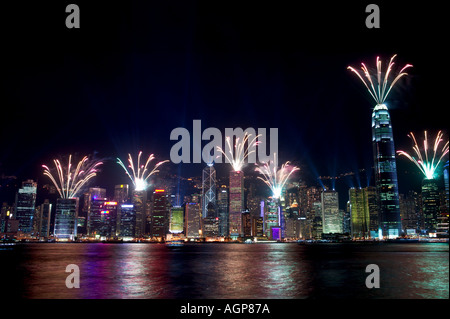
427	159
140	175
237	158
276	178
69	180
383	86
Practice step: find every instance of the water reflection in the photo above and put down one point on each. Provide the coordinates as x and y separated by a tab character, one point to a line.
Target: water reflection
225	271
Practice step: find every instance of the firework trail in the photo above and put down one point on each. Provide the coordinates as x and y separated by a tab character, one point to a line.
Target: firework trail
427	163
140	175
240	151
69	181
276	178
383	86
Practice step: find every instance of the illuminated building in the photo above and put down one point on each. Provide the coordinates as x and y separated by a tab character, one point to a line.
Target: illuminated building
246	224
127	220
430	204
160	215
193	220
208	188
258	226
25	206
43	219
359	213
210	224
176	220
121	193
66	218
222	208
385	173
409	213
102	219
139	200
6	214
374	211
236	192
443	222
331	218
271	216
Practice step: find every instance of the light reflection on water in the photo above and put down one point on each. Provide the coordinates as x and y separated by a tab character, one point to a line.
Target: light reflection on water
226	271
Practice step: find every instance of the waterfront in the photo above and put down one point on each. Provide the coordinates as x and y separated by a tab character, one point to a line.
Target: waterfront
212	271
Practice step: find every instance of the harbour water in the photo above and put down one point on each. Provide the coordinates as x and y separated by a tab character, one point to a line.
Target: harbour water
222	271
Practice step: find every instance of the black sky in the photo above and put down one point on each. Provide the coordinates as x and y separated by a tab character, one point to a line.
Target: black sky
134	71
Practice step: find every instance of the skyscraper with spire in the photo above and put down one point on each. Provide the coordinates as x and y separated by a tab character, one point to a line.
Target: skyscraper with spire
385	172
379	86
208	188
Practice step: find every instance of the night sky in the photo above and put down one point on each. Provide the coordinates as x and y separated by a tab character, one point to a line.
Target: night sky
134	71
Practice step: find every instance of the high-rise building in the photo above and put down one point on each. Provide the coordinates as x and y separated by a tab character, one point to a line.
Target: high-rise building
271	216
359	213
374	211
66	218
176	220
246	224
102	219
385	172
208	188
236	192
222	210
139	200
127	222
6	214
192	223
43	219
331	218
409	213
160	215
25	206
121	193
430	204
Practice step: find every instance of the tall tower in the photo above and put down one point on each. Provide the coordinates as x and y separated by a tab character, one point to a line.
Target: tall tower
25	206
385	172
222	208
138	200
208	188
359	212
430	204
331	218
236	202
160	215
66	218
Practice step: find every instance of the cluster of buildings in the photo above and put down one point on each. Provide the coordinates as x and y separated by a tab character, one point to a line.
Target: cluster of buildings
234	210
220	211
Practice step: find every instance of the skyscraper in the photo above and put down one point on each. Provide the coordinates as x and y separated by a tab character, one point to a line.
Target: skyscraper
192	223
176	220
222	208
43	219
271	216
139	200
331	218
430	204
359	213
25	206
160	215
208	188
236	203
127	221
121	193
66	218
102	221
385	172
